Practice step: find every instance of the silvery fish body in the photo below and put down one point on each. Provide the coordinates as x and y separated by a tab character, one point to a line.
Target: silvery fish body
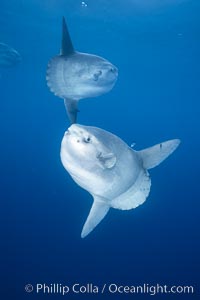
73	75
112	172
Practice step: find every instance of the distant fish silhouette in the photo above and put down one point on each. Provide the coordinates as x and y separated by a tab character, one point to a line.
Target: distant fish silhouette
8	56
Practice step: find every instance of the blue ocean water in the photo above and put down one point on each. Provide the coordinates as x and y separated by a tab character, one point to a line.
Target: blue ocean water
156	47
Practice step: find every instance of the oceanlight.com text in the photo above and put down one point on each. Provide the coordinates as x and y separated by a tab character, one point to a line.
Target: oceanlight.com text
111	288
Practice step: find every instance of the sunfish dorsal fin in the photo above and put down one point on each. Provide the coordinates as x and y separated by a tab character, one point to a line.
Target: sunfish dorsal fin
97	212
153	156
67	46
72	110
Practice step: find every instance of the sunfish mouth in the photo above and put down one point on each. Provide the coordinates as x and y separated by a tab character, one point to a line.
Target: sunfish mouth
75	130
113	70
113	74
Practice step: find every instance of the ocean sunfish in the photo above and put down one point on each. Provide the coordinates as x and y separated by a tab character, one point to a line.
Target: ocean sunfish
74	75
8	56
112	172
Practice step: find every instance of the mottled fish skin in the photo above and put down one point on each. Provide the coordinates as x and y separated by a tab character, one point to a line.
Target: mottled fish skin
80	76
111	171
8	56
73	75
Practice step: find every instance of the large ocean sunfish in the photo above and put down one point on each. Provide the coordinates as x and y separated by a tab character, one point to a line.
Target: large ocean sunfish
112	172
74	75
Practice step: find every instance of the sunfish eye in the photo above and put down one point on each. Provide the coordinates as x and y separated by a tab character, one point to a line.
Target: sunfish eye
97	75
87	140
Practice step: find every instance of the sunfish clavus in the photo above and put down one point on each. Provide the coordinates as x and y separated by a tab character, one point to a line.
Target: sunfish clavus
112	172
74	75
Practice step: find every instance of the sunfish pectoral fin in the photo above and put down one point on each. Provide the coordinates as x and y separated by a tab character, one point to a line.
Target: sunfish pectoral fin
98	211
153	156
67	46
72	109
107	160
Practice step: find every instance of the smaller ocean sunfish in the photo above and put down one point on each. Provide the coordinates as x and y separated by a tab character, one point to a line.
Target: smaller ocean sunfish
74	75
112	172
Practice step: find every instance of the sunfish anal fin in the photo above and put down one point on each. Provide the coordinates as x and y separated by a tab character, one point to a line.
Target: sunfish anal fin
97	212
72	110
67	46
